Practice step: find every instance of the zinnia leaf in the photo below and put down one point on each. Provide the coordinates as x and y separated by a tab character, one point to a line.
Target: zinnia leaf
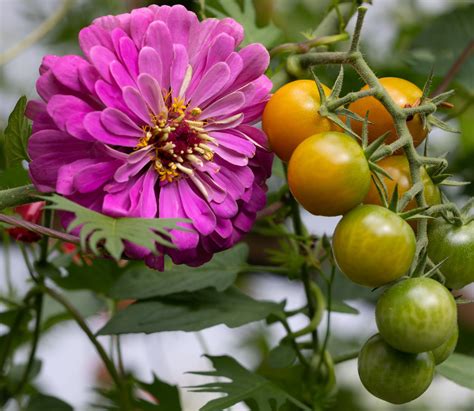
110	232
16	134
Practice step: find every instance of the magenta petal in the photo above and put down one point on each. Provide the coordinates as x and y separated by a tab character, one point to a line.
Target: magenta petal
159	38
139	21
95	176
226	106
211	83
119	123
129	55
178	68
170	206
148	202
149	62
92	36
255	58
231	156
196	208
101	59
66	71
135	162
94	126
61	108
135	103
68	172
227	208
232	141
150	90
223	45
180	21
121	76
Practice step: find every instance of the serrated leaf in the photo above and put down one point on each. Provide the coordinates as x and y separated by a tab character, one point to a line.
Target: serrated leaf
167	395
247	16
427	86
190	312
375	168
337	87
219	273
381	188
342	111
454	183
458	368
41	402
110	232
17	134
436	122
245	386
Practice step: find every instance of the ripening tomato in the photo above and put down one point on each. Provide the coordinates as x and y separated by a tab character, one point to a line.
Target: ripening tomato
392	375
398	168
442	352
456	245
405	94
373	245
328	174
292	115
416	315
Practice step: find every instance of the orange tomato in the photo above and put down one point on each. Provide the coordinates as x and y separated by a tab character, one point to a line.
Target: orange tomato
328	174
398	168
292	115
405	94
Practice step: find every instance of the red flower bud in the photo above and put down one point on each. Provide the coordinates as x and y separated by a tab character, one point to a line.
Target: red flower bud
31	213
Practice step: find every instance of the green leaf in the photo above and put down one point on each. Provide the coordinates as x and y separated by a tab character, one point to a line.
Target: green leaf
247	16
343	307
111	232
190	312
41	402
282	356
14	176
442	41
436	122
245	386
99	277
166	394
458	368
219	273
16	134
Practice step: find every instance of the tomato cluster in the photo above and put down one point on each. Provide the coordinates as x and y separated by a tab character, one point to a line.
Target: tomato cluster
329	175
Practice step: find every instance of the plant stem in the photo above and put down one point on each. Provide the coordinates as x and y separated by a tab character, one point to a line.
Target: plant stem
263	268
13	197
346	357
307	45
100	350
7	265
293	342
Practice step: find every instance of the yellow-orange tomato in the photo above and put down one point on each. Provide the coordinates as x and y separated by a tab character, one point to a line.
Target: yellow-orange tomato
292	115
405	94
328	174
398	168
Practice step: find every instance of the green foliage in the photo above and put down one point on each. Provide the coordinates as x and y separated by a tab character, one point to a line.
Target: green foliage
343	307
442	41
245	386
247	16
16	134
110	232
282	356
219	273
41	402
13	176
458	368
190	312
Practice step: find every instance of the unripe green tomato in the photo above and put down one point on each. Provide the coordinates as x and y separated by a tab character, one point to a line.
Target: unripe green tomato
392	375
456	245
442	352
373	245
416	315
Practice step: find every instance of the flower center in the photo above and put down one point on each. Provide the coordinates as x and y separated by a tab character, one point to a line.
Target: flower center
179	141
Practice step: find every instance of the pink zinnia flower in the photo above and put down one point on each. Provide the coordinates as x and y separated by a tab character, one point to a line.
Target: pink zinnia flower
157	121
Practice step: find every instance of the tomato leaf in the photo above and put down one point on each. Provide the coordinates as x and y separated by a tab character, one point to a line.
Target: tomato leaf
219	273
110	232
190	312
245	386
458	368
16	134
282	356
41	402
343	307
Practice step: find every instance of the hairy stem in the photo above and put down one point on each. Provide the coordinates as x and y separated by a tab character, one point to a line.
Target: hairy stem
13	197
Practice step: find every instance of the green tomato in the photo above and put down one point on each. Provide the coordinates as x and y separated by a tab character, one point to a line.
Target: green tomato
416	315
373	245
442	352
456	245
392	375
